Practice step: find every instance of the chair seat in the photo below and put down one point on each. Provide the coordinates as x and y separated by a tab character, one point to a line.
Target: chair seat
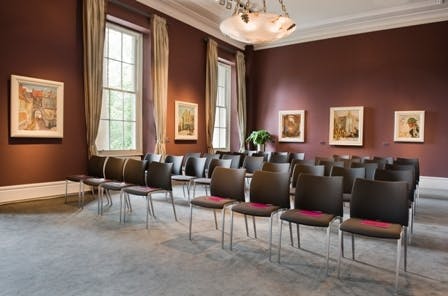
255	209
95	181
305	217
116	186
346	197
372	228
141	190
182	178
205	181
212	202
77	178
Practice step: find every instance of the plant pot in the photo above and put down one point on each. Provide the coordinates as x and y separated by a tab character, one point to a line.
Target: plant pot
260	147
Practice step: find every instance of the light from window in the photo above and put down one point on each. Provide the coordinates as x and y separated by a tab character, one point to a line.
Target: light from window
120	124
221	133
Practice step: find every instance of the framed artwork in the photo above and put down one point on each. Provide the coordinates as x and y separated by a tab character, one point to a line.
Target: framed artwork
186	121
37	108
291	126
409	126
346	126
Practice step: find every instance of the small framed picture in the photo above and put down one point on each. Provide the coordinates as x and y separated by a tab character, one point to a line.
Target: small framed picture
346	126
186	121
291	126
409	126
37	108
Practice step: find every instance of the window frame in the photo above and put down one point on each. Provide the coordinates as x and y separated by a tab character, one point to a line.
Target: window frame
138	93
228	102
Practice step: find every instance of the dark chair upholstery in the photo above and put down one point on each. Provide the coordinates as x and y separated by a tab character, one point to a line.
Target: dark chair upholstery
150	157
350	175
113	171
207	180
302	162
370	168
279	158
329	164
194	169
296	155
208	159
252	164
378	209
318	202
158	180
266	155
95	169
134	174
177	163
380	162
269	194
235	160
316	170
188	155
226	188
275	167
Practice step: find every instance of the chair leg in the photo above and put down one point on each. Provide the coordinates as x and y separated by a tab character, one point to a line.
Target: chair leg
255	228
121	204
405	250
340	251
397	266
191	221
172	203
216	220
290	234
247	228
353	247
65	196
328	248
231	229
298	236
147	210
280	239
223	213
100	200
270	236
126	200
152	206
194	190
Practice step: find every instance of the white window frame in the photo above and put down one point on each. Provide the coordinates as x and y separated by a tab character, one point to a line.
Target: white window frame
138	93
228	65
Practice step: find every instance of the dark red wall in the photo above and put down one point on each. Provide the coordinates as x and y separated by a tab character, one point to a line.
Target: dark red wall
385	71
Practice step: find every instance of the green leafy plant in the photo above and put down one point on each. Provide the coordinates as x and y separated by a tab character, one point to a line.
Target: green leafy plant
259	137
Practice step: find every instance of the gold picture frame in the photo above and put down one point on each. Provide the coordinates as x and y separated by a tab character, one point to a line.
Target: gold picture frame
291	126
37	108
186	121
346	126
409	126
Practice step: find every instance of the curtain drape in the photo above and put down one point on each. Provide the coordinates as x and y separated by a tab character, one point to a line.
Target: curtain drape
93	37
160	80
241	98
211	90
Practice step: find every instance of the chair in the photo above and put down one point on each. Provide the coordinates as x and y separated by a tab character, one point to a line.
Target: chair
370	168
113	171
134	174
235	160
275	167
387	159
296	155
269	194
316	170
226	188
302	162
208	159
350	175
95	169
158	180
329	164
266	155
252	164
206	181
380	162
276	157
177	163
318	202
415	162
378	209
187	156
194	168
150	157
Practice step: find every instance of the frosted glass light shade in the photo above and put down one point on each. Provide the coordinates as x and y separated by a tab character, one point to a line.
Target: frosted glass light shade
260	28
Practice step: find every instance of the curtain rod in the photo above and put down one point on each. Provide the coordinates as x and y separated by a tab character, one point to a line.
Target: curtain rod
130	8
223	47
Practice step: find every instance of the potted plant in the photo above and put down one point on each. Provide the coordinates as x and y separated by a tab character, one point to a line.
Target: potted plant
259	138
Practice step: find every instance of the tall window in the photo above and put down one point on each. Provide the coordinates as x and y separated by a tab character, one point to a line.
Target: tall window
120	125
221	133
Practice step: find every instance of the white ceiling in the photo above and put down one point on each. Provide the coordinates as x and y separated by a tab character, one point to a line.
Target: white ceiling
315	19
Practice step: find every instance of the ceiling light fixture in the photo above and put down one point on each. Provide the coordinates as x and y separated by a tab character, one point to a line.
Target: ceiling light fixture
253	27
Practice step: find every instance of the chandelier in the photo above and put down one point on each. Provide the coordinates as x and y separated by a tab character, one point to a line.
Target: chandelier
252	26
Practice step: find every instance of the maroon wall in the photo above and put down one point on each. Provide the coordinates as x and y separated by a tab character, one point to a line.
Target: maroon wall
42	39
385	71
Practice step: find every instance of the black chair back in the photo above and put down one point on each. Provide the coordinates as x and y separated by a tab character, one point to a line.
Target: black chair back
350	175
95	166
114	168
195	166
159	175
177	163
316	170
398	175
370	168
270	188
225	163
228	183
275	167
235	160
134	171
150	157
253	163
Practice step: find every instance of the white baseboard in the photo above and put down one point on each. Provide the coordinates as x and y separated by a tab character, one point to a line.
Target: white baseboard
24	192
430	186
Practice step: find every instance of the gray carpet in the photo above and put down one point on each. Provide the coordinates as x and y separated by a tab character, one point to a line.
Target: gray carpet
51	248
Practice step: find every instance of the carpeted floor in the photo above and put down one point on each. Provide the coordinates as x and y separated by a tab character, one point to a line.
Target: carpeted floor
51	248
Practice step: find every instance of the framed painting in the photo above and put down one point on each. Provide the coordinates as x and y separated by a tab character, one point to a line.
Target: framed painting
291	126
346	126
186	121
37	108
409	126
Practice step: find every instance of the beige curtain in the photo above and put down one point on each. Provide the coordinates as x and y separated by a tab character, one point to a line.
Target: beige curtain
241	97
160	80
93	37
211	91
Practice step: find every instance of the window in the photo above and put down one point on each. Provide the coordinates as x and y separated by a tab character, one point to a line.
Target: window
221	133
120	124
